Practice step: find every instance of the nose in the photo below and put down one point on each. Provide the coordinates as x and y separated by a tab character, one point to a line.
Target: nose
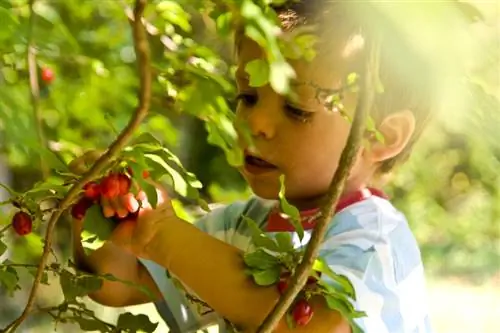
262	120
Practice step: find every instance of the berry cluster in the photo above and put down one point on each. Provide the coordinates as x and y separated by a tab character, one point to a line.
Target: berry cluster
111	186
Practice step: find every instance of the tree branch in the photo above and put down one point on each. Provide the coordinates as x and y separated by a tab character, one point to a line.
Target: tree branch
299	279
143	58
35	89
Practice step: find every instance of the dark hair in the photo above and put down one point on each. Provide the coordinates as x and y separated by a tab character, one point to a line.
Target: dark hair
407	76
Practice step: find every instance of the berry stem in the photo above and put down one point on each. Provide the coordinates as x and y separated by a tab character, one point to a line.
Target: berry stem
143	57
299	279
5	228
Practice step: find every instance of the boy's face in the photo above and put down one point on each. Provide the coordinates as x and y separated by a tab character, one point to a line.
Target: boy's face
300	139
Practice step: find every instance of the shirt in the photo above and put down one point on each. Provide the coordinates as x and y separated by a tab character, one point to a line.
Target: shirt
369	242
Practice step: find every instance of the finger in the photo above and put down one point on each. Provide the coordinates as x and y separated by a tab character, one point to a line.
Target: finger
119	207
130	203
107	209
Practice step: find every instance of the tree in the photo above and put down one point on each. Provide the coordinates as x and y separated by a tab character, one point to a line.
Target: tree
83	96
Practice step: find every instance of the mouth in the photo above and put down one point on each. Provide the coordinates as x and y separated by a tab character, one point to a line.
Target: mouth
257	165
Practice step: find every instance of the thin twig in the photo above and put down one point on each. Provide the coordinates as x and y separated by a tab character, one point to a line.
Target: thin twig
35	89
143	58
299	279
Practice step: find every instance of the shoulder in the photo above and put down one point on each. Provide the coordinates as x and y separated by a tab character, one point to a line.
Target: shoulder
225	220
375	227
372	244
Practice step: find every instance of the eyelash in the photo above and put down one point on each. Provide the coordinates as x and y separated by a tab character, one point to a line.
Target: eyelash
296	113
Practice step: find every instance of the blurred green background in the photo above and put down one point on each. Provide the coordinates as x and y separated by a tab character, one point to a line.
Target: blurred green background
449	190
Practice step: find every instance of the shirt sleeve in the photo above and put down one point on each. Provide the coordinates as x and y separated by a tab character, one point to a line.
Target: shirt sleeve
372	245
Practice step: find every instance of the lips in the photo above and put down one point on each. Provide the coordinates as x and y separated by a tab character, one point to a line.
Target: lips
257	165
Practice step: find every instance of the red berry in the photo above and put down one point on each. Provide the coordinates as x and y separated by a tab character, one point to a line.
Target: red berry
110	186
92	190
124	183
145	174
282	285
80	208
22	223
311	280
302	312
47	75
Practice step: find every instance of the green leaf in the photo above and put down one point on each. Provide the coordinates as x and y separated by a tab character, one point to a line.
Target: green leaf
145	186
346	310
89	324
285	242
223	23
267	277
134	323
180	184
3	248
45	276
172	12
321	266
281	73
10	23
146	138
140	287
260	259
291	211
259	238
95	223
9	279
74	286
258	69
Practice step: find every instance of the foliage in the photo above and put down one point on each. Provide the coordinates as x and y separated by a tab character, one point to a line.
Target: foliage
449	189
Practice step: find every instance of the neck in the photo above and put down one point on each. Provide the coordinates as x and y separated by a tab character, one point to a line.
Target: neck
320	200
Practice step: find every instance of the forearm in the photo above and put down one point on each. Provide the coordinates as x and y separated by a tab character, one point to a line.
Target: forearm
213	269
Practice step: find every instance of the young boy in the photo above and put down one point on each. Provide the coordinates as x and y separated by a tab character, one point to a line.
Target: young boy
368	240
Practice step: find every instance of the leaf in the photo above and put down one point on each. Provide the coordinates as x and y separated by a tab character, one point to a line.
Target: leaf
3	248
146	138
321	266
281	73
140	287
145	186
77	286
346	310
290	210
9	279
9	23
259	238
285	242
45	276
95	223
267	277
88	324
134	323
260	259
172	12
258	69
223	23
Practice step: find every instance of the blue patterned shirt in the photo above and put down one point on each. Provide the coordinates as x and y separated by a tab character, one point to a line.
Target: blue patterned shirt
369	242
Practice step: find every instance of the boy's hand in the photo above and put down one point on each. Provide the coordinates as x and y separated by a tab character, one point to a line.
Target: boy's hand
125	208
134	236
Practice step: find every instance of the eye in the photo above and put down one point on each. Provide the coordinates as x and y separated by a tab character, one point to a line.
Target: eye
247	99
298	114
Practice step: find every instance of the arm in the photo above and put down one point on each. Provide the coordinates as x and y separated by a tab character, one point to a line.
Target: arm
110	259
213	268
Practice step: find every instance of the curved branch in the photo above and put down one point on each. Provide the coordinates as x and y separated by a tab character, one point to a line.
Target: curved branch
143	58
335	189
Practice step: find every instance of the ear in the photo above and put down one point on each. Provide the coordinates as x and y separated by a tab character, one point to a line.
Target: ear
397	129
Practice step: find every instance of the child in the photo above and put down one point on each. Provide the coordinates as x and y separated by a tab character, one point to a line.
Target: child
368	240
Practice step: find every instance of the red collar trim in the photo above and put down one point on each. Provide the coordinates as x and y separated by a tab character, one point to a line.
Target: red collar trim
277	222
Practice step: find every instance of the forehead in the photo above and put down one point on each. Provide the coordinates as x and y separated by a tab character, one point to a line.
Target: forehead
334	61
